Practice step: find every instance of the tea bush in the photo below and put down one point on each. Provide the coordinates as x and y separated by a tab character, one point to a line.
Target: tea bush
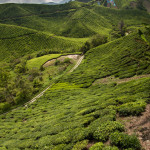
132	108
103	132
97	146
125	141
80	145
110	148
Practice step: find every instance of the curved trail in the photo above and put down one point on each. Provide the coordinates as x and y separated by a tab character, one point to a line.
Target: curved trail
41	94
77	64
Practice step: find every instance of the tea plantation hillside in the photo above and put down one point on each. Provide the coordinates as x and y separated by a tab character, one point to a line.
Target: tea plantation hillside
18	41
80	110
26	29
69	116
122	58
73	19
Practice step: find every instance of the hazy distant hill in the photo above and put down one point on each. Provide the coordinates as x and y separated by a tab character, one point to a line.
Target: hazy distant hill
51	3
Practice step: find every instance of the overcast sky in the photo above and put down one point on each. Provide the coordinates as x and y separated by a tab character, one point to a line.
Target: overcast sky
27	1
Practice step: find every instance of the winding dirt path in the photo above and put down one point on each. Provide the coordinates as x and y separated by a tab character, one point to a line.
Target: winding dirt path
41	94
77	64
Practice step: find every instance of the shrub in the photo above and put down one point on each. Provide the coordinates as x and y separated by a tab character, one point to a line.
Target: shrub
67	60
132	108
21	68
128	75
95	41
110	148
97	146
104	130
34	72
57	62
80	145
42	68
125	141
4	106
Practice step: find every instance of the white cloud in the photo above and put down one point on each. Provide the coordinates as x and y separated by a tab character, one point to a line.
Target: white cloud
27	1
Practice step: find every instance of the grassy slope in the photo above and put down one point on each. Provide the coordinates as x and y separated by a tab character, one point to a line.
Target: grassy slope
122	58
74	21
18	41
123	3
38	62
68	113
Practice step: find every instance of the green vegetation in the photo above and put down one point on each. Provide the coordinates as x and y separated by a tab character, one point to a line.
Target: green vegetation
74	114
125	141
67	114
97	146
102	133
36	28
39	61
123	58
17	41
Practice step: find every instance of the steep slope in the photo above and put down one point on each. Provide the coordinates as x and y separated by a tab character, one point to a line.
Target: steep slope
73	114
121	58
70	117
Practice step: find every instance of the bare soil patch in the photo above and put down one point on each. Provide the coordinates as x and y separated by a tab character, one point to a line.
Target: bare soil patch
61	59
139	125
110	79
146	4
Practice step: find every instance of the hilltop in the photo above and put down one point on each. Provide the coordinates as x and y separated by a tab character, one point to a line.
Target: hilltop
74	76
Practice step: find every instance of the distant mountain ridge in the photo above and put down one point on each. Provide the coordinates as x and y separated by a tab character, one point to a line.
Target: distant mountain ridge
35	1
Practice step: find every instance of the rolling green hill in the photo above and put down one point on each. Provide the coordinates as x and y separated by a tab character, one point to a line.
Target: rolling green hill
81	21
18	41
121	58
31	24
74	113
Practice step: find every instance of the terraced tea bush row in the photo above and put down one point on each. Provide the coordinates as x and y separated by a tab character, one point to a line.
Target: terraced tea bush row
67	115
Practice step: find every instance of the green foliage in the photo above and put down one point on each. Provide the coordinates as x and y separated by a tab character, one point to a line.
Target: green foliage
21	68
94	42
57	62
68	114
104	130
123	58
41	28
110	148
4	77
125	141
132	108
80	145
97	146
39	61
4	106
67	60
